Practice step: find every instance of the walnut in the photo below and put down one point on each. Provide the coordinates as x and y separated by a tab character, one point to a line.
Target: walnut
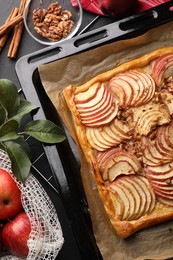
39	15
54	8
53	23
41	28
66	27
51	19
66	15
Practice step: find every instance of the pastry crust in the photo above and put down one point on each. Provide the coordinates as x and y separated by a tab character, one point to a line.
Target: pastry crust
123	146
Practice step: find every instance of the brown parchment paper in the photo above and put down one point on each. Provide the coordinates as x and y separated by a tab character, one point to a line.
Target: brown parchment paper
155	242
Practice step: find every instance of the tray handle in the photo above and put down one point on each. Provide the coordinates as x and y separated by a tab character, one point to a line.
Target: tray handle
128	27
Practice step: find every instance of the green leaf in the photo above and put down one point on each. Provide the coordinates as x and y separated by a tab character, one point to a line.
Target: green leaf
8	130
3	114
45	131
24	108
9	97
8	136
17	151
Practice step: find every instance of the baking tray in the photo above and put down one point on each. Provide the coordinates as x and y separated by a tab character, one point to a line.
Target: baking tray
63	158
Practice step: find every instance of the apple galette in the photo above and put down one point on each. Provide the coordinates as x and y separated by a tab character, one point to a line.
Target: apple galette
123	120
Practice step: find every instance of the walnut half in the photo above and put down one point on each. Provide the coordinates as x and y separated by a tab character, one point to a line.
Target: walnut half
53	23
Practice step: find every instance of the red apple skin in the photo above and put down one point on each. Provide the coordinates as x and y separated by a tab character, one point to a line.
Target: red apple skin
10	196
15	235
117	7
1	244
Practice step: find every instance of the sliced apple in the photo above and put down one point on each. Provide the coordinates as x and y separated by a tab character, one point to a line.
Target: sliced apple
133	88
122	90
118	91
167	186
161	143
122	80
151	155
146	117
163	189
161	68
85	109
157	155
167	99
104	118
120	129
94	140
116	135
119	166
97	106
102	138
169	135
142	196
161	169
148	90
148	159
135	193
162	173
90	97
115	162
119	200
149	193
137	85
94	115
150	120
135	205
166	201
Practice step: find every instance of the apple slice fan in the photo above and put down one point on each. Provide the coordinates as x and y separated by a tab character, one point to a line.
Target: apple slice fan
45	237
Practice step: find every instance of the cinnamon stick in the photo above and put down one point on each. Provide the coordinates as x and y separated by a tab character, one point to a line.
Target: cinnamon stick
4	38
10	24
13	49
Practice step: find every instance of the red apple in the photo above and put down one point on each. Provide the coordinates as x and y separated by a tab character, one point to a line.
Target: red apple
15	235
117	7
10	196
1	244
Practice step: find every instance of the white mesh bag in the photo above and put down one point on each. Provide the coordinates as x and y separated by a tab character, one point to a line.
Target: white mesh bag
46	237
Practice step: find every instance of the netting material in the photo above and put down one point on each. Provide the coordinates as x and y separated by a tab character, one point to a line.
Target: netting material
46	237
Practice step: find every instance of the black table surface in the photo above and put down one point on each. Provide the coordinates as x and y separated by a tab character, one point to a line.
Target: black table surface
70	248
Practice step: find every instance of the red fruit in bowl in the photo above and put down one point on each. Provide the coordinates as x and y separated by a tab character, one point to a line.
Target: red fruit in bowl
10	196
117	7
15	235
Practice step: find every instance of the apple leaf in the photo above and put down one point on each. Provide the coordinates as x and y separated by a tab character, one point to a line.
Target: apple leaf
9	97
17	151
8	130
24	108
3	114
45	131
12	110
8	136
10	125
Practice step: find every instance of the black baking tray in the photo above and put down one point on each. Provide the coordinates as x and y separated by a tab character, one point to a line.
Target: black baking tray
63	158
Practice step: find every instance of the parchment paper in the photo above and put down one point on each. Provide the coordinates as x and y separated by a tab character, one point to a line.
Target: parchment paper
155	242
